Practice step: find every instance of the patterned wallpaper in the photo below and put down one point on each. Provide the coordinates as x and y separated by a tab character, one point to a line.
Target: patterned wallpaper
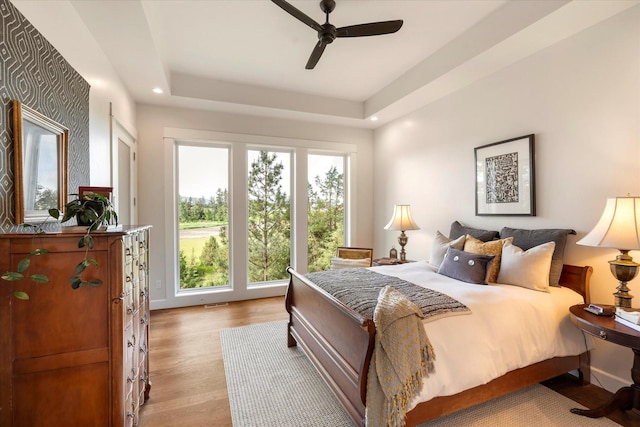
33	72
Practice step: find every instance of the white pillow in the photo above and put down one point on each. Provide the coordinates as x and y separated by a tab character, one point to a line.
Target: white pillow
440	245
529	269
337	263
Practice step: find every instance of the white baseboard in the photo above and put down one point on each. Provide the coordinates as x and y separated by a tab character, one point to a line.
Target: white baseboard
609	382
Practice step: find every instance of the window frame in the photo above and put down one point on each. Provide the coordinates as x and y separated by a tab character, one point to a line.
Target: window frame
239	144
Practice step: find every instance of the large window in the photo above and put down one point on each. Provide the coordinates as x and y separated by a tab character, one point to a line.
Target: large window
203	216
269	216
242	208
325	221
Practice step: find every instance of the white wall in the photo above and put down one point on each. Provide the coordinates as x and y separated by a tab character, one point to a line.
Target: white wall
581	98
68	34
153	120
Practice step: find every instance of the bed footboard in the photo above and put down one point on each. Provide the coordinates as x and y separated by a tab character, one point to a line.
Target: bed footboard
339	341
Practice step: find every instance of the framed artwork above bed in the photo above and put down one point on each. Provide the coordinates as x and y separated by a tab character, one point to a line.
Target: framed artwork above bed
505	177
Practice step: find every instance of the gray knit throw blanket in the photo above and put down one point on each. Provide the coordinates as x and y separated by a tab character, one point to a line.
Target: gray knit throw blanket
402	358
358	288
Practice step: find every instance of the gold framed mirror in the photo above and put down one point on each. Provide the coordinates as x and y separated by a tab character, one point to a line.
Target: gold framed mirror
41	155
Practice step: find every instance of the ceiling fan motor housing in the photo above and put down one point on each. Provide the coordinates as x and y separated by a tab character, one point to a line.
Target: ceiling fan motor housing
328	33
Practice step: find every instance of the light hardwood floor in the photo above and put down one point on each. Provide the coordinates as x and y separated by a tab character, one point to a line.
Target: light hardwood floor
187	371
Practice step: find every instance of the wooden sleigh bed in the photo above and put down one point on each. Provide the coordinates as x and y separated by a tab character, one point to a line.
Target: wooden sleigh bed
339	342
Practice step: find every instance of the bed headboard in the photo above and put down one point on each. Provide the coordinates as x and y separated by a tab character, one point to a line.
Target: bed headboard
577	279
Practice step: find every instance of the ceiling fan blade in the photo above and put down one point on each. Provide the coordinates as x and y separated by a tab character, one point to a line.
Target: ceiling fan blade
315	55
298	14
371	29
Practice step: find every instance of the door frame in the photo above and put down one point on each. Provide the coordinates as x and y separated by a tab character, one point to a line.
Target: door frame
120	133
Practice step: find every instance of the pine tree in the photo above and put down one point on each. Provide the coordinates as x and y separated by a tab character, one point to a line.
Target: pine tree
269	223
325	219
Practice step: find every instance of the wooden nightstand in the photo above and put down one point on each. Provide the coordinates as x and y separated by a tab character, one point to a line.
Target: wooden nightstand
606	328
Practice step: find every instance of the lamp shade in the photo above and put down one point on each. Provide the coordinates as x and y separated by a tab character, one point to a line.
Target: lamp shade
618	227
401	219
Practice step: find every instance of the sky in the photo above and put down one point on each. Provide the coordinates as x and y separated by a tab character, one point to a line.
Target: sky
202	170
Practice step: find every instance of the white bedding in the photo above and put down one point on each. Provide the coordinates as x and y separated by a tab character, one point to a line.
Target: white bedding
509	327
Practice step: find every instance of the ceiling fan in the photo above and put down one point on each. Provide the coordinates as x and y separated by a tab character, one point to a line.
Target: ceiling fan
327	33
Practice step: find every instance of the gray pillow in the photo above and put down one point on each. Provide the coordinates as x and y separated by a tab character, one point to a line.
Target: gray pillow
458	230
527	239
465	266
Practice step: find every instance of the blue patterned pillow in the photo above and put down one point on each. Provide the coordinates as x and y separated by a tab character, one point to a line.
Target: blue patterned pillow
465	266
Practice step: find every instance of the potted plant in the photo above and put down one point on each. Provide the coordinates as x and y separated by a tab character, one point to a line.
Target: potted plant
90	209
93	210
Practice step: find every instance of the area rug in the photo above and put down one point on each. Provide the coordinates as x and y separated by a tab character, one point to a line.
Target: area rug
264	392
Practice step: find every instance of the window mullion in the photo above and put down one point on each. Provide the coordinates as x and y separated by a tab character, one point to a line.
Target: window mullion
238	217
301	200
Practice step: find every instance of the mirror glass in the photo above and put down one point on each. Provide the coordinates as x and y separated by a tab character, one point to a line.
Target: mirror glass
41	150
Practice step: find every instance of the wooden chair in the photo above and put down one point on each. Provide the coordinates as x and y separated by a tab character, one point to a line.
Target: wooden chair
355	253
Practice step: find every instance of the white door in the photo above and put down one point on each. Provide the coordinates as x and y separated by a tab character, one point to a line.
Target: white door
124	174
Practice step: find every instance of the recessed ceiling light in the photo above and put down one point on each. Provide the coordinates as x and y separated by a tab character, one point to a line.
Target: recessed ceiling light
157	90
374	118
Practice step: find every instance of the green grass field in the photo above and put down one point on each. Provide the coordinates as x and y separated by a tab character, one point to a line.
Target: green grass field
195	245
201	224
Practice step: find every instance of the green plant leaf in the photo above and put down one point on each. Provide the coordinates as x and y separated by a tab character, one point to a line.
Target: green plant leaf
21	295
12	276
39	278
24	264
54	213
75	282
95	283
82	265
91	261
81	242
89	240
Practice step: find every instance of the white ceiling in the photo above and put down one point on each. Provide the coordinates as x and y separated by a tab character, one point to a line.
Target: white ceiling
248	56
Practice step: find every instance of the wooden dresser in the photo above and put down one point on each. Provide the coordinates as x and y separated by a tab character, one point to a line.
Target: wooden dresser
75	357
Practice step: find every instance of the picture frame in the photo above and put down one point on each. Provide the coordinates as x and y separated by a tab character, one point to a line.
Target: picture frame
40	164
105	191
505	177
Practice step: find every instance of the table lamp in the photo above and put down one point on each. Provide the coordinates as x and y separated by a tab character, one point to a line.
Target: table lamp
401	220
619	228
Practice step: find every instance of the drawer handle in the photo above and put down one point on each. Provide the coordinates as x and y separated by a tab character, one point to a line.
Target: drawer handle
603	335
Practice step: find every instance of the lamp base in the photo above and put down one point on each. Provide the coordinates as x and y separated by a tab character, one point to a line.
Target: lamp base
402	240
622	297
624	269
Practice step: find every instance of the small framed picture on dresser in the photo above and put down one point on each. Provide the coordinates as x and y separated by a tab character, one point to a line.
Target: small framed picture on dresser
505	177
105	191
